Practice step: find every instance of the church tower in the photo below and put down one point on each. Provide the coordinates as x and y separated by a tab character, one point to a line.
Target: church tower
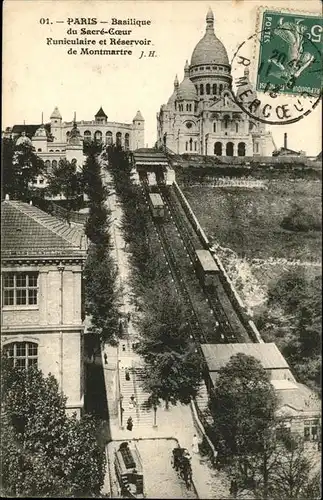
138	131
74	147
56	125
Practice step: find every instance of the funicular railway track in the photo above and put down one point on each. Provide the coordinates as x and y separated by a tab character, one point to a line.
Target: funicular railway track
195	325
191	242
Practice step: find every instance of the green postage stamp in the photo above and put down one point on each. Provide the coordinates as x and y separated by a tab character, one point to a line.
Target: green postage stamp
290	53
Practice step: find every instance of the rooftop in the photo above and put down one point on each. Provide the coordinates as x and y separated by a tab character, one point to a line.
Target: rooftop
28	231
218	355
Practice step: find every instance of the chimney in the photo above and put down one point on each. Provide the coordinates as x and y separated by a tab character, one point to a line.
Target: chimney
285	140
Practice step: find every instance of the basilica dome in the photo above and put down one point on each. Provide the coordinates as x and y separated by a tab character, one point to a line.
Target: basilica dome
186	90
209	50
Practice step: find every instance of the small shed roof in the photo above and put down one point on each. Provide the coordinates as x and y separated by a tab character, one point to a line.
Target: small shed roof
206	260
218	355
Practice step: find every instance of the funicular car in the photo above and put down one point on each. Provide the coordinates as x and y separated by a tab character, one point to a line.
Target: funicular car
156	205
206	267
129	472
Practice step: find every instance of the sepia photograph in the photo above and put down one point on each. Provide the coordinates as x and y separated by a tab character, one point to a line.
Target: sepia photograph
161	249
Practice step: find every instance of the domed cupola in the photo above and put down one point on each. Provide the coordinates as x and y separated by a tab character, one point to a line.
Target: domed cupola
210	70
186	90
75	138
209	50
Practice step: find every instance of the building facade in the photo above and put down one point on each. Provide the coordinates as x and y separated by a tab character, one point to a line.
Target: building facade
41	273
201	116
64	140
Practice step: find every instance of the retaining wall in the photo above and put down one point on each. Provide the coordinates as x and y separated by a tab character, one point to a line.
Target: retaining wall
233	295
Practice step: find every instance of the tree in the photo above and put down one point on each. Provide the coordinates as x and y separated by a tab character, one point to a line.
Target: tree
44	452
20	169
102	294
173	368
67	180
243	405
283	469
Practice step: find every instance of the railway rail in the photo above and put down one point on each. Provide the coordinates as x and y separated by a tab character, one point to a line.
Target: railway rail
191	246
195	325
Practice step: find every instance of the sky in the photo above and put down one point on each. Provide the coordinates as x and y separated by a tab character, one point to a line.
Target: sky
37	77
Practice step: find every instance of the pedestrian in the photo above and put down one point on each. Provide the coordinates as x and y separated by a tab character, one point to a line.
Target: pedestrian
105	358
127	374
129	424
132	402
195	444
128	317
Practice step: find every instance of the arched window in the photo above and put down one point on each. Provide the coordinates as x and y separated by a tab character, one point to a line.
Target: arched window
126	142
68	134
191	144
201	89
218	149
237	127
54	164
214	88
256	147
220	88
51	151
241	149
108	138
186	145
74	160
197	89
57	150
98	136
208	89
229	149
47	164
118	138
226	121
39	150
22	354
87	135
214	126
195	145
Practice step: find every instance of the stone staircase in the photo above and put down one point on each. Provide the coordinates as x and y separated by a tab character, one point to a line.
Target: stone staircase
141	416
202	400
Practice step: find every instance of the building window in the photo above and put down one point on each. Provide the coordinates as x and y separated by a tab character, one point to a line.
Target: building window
57	150
186	146
208	67
109	138
47	164
51	151
126	142
214	89
195	145
229	149
54	164
197	89
201	89
22	354
191	144
311	428
208	88
214	126
118	139
39	150
20	289
218	149
220	88
241	149
256	147
87	135
98	137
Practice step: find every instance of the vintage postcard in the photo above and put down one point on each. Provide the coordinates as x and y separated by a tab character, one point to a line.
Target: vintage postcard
161	249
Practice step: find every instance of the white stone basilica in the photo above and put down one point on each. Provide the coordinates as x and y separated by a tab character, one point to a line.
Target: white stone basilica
201	115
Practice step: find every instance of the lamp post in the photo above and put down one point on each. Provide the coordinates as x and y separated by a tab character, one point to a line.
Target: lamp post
155	415
121	410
